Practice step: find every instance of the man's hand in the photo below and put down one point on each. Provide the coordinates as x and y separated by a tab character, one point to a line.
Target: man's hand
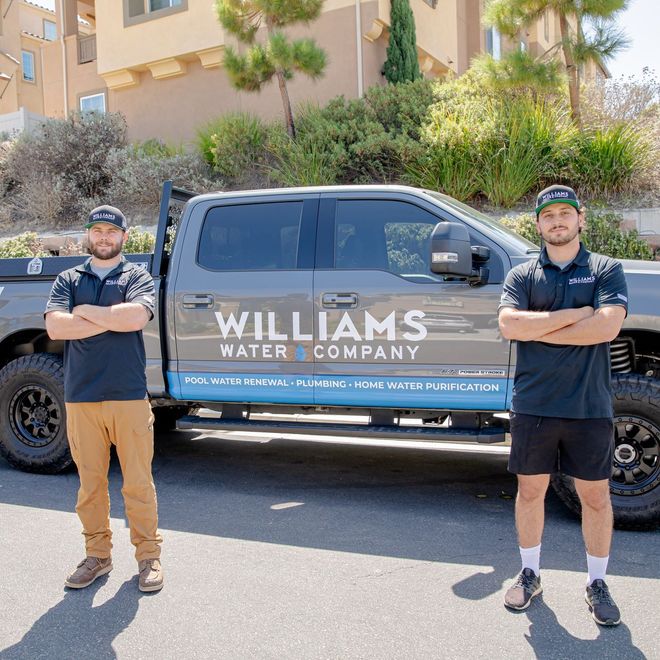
124	317
523	325
62	325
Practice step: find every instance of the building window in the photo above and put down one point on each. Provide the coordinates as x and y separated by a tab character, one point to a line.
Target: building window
142	9
523	46
155	5
28	66
493	43
546	26
50	30
93	103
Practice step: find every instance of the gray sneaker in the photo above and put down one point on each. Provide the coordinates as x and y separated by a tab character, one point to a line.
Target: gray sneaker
601	605
87	571
527	585
151	575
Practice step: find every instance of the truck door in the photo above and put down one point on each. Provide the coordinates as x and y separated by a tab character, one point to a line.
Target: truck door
242	303
391	333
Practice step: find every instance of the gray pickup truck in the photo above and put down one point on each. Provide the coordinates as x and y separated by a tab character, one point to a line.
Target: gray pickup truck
376	301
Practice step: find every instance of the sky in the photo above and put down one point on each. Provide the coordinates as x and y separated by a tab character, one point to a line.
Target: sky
640	22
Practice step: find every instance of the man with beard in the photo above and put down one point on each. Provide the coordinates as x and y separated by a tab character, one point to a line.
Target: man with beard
563	308
100	309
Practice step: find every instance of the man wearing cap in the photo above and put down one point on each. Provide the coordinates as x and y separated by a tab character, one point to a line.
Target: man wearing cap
563	308
100	308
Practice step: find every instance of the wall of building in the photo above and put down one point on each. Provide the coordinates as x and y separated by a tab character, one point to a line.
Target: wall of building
202	94
82	79
10	44
30	94
121	47
19	121
51	57
31	18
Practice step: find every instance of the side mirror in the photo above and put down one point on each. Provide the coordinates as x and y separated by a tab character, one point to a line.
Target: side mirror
451	253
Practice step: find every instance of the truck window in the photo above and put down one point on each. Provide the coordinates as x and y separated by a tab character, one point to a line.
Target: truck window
262	236
384	235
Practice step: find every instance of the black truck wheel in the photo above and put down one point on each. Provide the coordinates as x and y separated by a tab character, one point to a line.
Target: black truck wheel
635	480
32	415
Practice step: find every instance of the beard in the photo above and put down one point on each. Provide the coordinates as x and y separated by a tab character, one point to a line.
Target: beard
553	239
105	252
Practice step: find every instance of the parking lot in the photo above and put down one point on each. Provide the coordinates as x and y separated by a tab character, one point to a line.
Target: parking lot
276	548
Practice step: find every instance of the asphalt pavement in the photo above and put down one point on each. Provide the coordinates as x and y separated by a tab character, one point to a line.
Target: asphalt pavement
276	548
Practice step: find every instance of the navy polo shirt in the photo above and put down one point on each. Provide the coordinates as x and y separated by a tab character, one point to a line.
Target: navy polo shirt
110	366
555	380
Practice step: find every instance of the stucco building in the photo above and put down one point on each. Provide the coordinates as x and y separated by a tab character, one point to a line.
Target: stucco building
160	62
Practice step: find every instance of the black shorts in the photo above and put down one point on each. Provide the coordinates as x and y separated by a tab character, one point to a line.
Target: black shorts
581	448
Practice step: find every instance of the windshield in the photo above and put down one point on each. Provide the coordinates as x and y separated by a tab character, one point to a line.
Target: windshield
493	225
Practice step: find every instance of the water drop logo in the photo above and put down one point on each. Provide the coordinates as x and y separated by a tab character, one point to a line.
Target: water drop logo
301	353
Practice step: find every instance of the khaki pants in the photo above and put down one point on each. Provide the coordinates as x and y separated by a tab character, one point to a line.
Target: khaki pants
92	428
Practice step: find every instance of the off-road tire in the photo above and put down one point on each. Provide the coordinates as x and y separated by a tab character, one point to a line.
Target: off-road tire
32	415
635	481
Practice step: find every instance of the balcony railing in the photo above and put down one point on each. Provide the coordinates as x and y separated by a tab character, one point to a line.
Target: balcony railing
86	49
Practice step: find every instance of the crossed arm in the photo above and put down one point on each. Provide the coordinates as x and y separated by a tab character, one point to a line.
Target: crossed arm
577	327
90	320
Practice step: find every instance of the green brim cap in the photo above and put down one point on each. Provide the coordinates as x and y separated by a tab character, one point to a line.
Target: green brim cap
555	195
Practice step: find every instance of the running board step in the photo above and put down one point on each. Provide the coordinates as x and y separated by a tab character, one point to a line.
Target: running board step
451	434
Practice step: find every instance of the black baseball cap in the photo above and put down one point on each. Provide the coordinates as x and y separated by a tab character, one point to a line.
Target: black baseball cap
108	214
555	194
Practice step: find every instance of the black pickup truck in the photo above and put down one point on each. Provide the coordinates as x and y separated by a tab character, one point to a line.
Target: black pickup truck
334	300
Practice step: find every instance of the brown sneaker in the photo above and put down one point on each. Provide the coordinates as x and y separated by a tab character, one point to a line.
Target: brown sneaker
87	571
151	575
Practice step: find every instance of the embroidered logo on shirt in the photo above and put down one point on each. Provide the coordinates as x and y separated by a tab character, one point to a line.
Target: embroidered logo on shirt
587	279
121	281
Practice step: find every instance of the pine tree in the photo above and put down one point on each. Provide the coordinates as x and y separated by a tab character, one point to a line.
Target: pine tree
578	46
278	57
401	64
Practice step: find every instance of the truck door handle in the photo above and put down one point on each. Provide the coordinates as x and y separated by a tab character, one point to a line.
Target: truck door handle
198	300
339	300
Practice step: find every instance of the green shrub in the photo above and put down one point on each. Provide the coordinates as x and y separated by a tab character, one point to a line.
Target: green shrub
73	149
350	137
157	149
24	245
602	234
232	143
610	160
480	142
449	168
359	140
52	176
523	224
139	241
526	148
301	161
137	175
401	109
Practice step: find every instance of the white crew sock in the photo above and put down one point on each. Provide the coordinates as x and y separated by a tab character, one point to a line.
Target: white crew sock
597	567
531	558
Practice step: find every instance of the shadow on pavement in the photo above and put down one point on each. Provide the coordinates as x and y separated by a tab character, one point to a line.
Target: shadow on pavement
549	639
76	625
419	504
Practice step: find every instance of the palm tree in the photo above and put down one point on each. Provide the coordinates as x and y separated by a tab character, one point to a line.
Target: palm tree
601	41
